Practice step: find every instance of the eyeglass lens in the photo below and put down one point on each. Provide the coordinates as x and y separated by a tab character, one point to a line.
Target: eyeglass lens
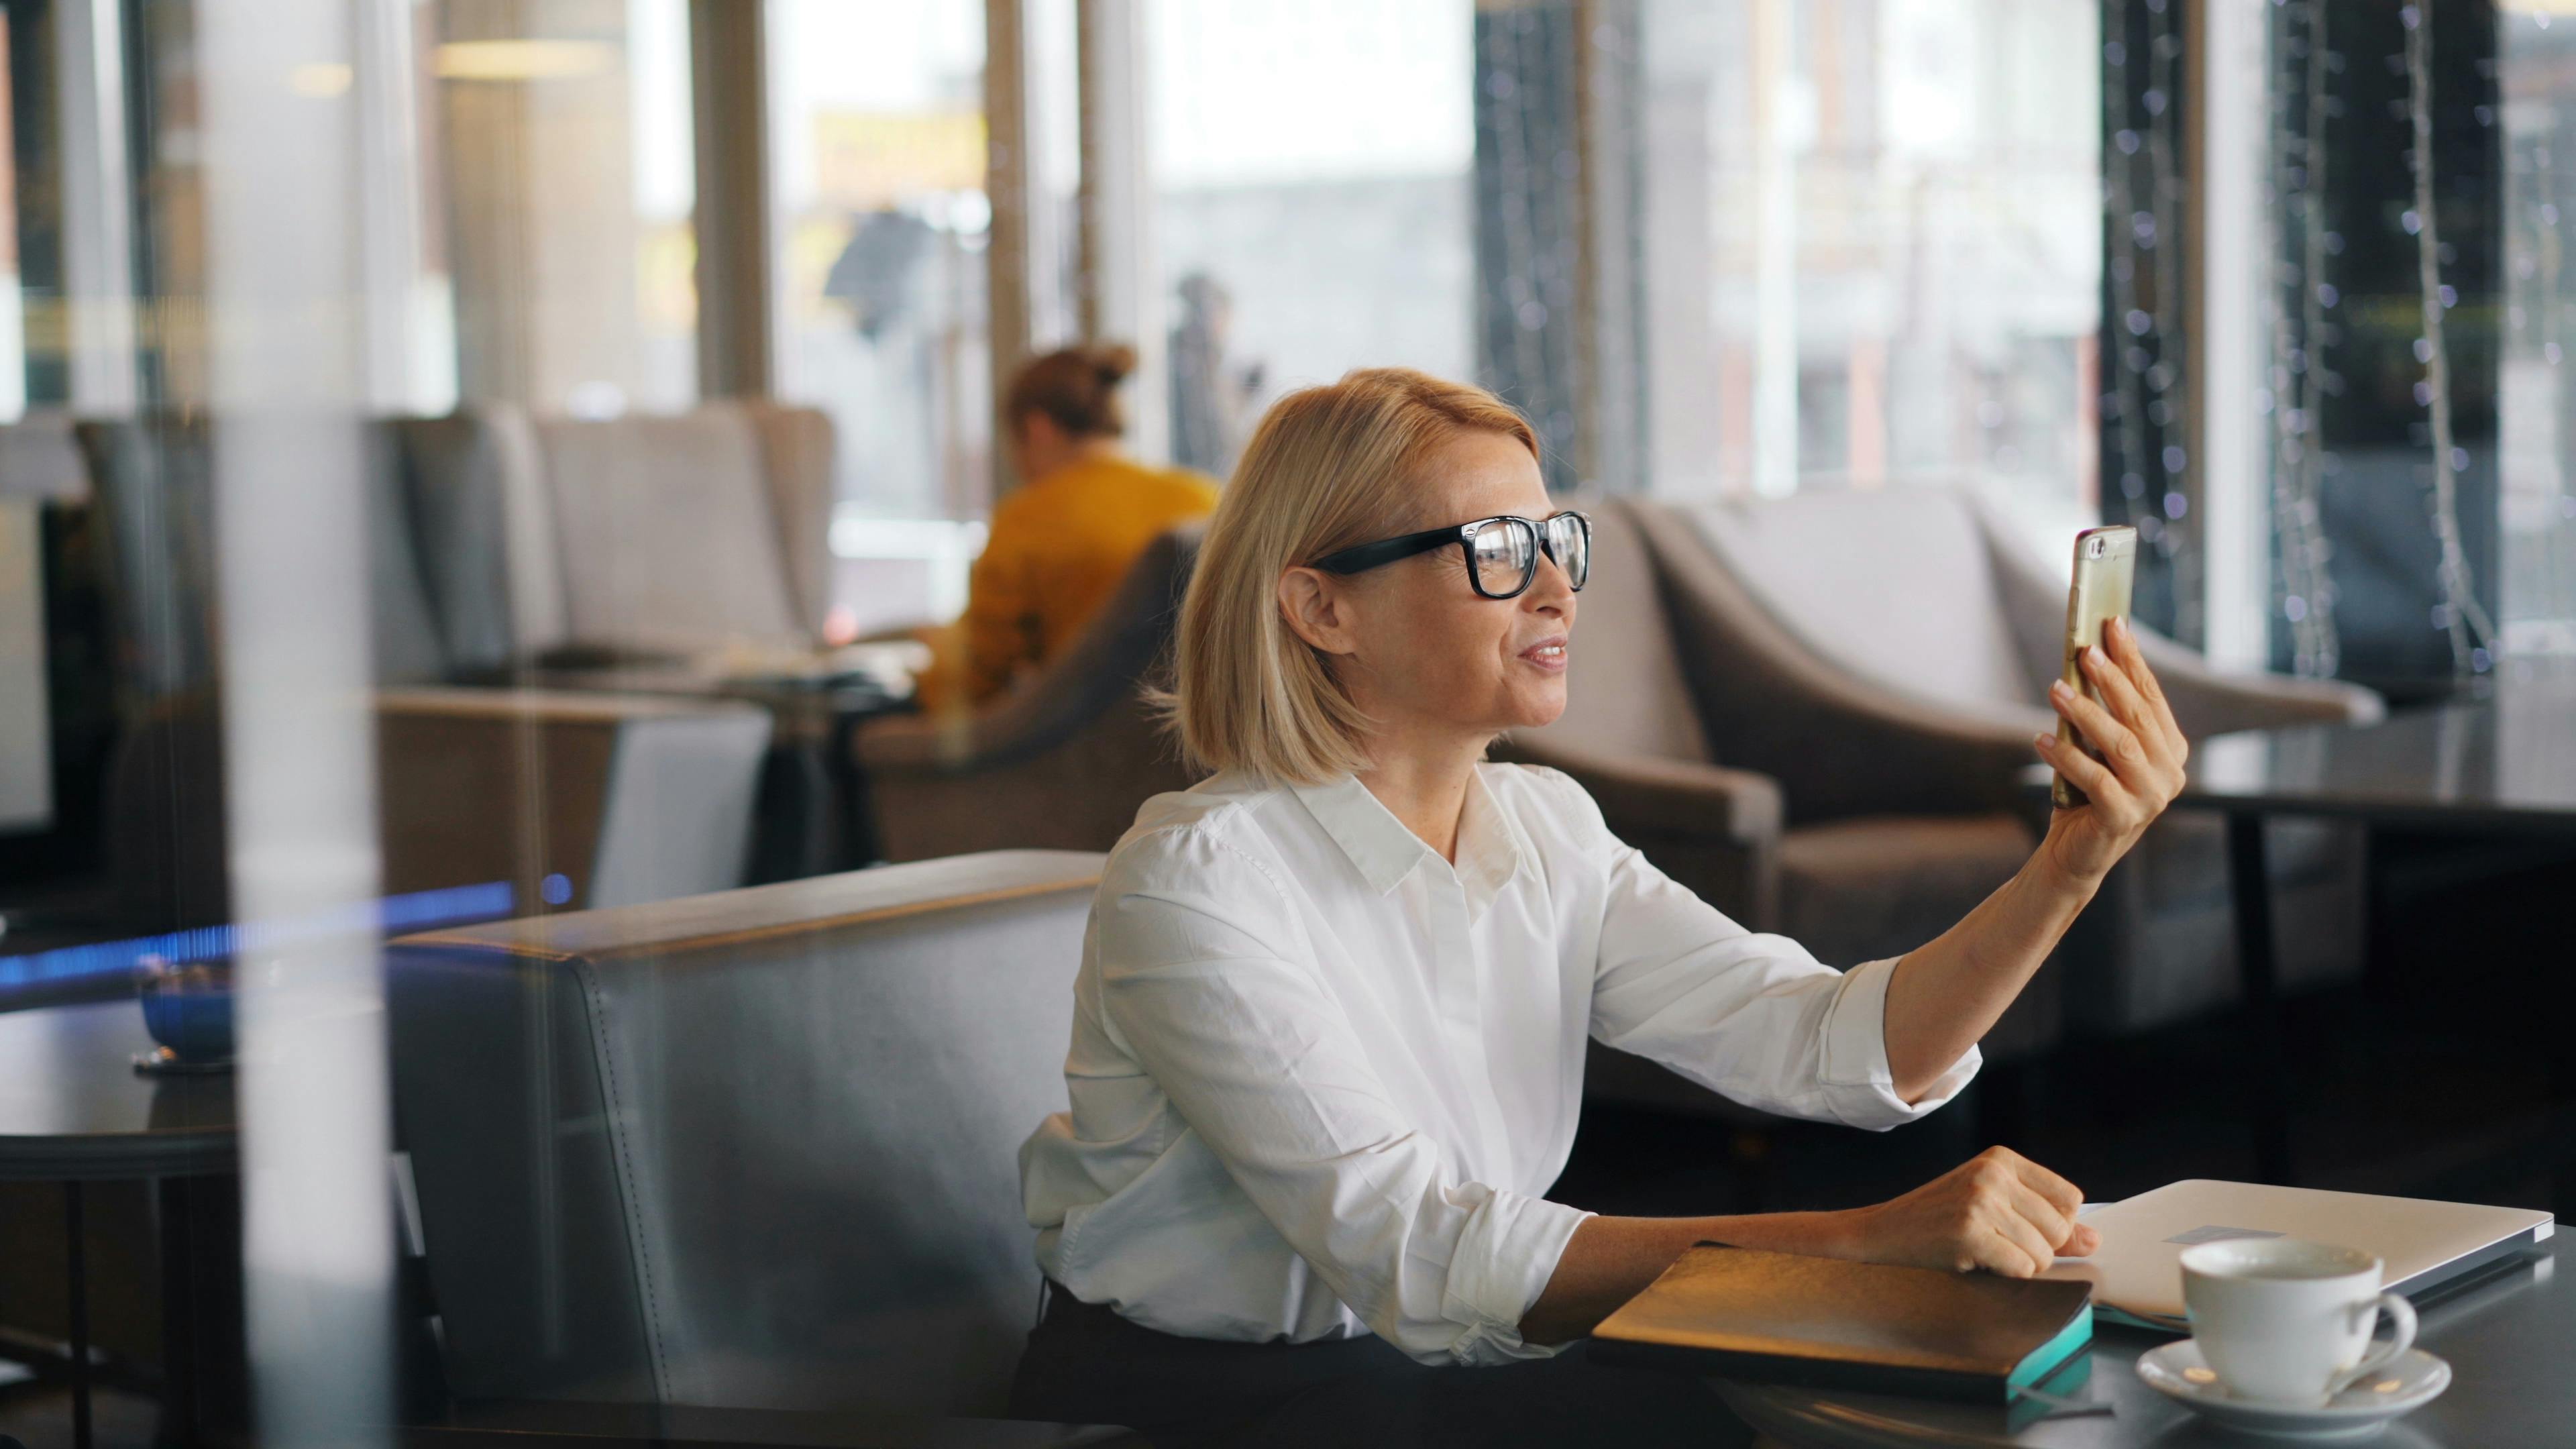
1506	553
1502	551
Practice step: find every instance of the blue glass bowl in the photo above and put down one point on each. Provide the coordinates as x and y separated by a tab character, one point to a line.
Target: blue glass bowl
188	1009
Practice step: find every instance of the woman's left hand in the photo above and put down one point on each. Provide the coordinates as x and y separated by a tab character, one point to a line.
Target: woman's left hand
2141	769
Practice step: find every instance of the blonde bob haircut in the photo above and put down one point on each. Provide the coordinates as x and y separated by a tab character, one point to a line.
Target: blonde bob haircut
1329	467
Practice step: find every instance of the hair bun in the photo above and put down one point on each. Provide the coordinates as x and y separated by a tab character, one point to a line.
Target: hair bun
1113	361
1075	386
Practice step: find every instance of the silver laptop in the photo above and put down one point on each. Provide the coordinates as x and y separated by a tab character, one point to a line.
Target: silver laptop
2137	1272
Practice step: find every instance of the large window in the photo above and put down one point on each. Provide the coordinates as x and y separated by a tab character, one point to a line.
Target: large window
1312	170
1873	246
877	166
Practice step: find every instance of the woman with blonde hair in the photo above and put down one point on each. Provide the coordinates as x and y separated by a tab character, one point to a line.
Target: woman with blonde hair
1329	1026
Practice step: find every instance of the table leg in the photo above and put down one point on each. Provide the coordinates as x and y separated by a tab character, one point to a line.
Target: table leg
76	1285
179	1326
2249	878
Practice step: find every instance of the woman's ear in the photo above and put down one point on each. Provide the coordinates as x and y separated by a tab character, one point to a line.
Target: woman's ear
1313	604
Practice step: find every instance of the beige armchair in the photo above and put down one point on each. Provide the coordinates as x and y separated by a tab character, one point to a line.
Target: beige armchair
1882	653
1060	763
1636	733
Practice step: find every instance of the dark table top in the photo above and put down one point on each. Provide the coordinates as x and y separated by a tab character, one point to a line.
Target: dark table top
2503	763
72	1107
2510	1341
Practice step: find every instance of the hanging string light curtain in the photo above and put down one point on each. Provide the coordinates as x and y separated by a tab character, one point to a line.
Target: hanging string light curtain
2303	592
2145	418
2471	632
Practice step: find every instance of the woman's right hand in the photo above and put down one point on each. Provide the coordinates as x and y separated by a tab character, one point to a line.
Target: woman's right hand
1999	1211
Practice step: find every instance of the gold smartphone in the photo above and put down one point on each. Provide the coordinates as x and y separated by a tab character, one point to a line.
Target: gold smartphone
2106	564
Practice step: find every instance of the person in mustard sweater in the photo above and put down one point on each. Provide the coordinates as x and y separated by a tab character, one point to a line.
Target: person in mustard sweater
1060	544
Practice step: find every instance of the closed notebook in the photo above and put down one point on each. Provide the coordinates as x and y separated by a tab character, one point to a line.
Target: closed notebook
1825	1323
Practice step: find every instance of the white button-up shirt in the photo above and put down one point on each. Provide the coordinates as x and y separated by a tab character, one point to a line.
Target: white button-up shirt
1319	1077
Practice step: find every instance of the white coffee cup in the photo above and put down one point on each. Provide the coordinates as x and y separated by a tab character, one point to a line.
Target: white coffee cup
2281	1321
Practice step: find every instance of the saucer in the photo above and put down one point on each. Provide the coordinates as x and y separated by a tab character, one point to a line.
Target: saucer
2408	1382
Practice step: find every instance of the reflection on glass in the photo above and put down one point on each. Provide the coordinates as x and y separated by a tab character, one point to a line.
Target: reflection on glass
1885	220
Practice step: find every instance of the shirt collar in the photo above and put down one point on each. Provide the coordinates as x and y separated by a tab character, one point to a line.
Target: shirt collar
1376	842
1489	847
1385	852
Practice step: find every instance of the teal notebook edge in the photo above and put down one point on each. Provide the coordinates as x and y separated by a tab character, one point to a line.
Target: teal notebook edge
2043	1361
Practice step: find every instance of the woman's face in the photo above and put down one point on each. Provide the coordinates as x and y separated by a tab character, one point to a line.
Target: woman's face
1420	650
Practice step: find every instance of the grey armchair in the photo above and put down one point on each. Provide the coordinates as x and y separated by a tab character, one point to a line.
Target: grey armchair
1060	763
755	1149
1885	652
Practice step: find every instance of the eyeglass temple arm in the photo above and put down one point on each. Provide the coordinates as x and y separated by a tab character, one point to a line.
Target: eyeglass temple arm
1362	557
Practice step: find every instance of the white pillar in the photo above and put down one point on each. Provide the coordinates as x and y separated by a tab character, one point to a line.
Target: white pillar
1122	272
98	205
2225	325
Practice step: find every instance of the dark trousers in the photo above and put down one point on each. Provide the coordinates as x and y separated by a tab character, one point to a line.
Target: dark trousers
1087	1365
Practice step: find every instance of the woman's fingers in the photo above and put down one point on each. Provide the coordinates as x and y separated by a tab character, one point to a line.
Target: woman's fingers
2120	749
2122	641
2054	1225
2012	1246
2121	697
2081	770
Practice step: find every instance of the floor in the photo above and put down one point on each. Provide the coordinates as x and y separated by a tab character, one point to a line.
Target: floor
40	1417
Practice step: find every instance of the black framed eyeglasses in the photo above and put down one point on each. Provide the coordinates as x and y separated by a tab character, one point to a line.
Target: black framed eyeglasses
1502	552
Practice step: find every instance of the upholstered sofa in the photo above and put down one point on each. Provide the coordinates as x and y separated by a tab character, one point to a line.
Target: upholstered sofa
756	1149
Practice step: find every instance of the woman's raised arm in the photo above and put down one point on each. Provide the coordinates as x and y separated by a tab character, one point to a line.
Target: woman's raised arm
1945	995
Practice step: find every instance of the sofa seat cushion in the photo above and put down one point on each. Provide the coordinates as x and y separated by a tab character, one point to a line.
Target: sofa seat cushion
667	533
1860	890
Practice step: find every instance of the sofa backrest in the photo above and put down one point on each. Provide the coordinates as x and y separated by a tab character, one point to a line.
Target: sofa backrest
1625	694
153	485
754	1149
797	456
667	532
1895	585
487	533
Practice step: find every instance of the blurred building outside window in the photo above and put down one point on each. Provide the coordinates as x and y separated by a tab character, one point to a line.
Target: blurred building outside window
1873	249
1311	169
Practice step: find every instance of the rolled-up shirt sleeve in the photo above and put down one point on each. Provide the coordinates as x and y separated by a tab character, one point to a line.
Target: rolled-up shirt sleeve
1753	1017
1200	984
